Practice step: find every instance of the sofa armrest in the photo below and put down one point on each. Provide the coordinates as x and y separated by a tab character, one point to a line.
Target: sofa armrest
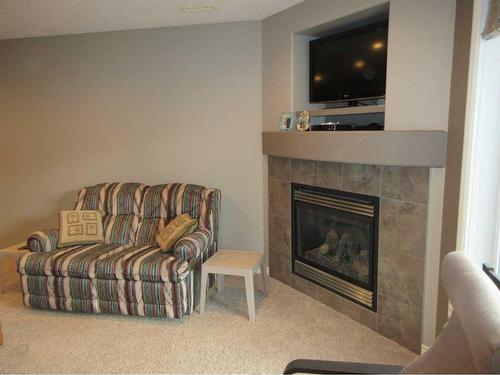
190	247
43	240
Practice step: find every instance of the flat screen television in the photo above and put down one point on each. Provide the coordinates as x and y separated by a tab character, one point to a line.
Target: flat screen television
350	65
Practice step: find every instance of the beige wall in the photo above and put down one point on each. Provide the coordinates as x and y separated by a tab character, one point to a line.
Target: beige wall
419	58
163	105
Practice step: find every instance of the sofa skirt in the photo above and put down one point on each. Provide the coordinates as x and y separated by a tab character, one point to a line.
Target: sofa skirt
141	298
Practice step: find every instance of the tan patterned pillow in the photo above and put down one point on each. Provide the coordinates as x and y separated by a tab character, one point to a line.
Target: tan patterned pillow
173	231
80	227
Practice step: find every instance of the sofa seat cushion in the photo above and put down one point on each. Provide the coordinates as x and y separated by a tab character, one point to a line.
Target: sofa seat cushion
104	261
74	261
142	263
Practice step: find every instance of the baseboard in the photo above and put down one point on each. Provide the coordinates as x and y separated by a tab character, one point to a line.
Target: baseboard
423	349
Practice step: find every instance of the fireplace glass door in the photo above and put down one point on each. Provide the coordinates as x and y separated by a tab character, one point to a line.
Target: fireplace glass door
334	233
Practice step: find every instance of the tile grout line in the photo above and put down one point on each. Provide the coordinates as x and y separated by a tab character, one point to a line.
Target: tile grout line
411	305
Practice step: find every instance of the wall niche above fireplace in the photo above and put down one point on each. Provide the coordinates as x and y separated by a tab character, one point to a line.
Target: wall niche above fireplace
335	241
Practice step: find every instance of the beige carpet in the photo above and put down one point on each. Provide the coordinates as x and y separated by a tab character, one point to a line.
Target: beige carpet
289	325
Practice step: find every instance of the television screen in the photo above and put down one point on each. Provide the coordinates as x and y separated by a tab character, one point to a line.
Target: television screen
349	65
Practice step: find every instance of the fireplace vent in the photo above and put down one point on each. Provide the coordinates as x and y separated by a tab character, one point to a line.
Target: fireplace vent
339	204
335	283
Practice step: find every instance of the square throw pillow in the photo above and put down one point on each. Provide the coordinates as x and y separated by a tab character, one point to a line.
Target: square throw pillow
80	227
173	231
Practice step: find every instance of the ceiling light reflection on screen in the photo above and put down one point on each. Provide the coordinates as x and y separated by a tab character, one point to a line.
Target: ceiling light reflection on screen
359	64
318	78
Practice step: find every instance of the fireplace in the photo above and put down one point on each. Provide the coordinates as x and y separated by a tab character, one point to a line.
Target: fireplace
335	241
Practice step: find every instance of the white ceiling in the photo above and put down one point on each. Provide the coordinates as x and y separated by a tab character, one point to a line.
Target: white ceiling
33	18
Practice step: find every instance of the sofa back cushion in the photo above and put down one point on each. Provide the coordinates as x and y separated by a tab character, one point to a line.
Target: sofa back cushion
124	198
149	228
134	213
171	200
121	229
163	203
92	198
122	205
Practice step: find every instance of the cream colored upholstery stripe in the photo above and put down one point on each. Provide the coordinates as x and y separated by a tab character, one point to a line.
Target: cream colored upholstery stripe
96	306
67	293
137	200
169	301
179	199
115	198
52	295
133	229
121	297
79	199
164	203
102	197
139	298
184	294
109	228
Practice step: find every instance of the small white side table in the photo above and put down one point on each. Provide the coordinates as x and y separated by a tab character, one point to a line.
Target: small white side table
236	263
11	252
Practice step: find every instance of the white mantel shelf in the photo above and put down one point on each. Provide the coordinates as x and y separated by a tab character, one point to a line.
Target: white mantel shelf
395	148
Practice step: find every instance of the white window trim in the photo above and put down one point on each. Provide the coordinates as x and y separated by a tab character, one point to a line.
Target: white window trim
471	114
469	180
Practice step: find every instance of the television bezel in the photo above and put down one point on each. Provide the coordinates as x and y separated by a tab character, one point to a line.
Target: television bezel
341	96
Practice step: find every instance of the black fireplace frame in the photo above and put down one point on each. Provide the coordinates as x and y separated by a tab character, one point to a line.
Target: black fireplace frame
373	257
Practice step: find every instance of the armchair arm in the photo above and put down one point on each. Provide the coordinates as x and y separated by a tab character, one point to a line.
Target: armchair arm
192	245
43	240
310	366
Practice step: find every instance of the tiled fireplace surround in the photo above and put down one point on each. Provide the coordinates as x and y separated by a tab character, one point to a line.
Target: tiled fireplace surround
403	193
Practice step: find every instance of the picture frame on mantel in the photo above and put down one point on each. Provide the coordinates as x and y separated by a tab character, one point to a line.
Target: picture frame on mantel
288	121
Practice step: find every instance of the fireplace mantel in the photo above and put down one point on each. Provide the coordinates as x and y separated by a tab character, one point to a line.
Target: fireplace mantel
394	148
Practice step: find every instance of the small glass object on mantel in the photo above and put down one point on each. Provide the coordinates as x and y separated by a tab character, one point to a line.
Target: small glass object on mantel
303	121
288	121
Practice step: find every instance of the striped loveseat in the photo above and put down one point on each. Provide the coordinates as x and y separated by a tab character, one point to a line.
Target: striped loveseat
127	274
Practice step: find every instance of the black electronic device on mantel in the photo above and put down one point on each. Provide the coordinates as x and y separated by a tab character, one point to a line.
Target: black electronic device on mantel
337	126
349	65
